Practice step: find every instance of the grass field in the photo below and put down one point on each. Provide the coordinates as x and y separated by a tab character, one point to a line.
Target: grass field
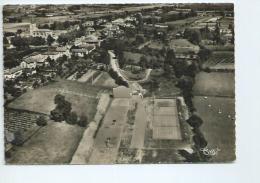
106	81
166	87
218	127
214	84
52	144
82	97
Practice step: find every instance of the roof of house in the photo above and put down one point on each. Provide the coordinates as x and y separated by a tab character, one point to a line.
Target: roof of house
61	49
13	70
82	50
91	38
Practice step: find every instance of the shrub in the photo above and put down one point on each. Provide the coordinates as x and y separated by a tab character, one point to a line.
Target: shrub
41	121
83	121
195	121
72	118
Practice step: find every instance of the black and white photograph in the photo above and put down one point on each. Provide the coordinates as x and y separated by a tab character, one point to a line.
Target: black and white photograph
104	84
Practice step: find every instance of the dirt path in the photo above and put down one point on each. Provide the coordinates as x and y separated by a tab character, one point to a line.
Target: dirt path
140	125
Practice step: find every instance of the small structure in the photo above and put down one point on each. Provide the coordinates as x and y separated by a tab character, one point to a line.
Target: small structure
122	92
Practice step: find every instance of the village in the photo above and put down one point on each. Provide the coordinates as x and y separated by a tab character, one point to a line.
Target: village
119	84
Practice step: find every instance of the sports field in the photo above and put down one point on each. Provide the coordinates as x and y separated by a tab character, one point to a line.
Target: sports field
218	114
215	84
165	120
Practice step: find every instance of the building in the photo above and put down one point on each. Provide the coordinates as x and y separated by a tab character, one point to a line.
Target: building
92	40
121	92
33	60
26	28
79	52
88	24
44	33
13	73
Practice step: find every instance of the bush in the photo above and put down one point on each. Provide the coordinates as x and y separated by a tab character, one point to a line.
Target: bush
83	121
72	118
41	121
18	138
195	121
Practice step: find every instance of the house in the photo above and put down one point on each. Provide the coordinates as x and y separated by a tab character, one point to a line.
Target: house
26	28
91	39
33	60
80	52
63	51
90	30
88	24
44	33
121	92
13	73
53	54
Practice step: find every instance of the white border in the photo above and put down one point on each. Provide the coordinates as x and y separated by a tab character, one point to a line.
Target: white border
244	169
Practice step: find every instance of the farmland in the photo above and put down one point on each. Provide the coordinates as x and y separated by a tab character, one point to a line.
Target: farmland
218	126
214	84
105	80
52	144
220	58
82	97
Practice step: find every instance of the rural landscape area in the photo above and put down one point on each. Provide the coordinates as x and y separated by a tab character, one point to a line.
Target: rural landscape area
119	83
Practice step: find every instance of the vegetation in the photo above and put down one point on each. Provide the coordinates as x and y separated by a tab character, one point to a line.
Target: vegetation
41	121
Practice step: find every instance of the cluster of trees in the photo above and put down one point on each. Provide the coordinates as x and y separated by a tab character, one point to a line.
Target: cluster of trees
23	42
70	36
118	79
166	17
63	112
194	36
199	142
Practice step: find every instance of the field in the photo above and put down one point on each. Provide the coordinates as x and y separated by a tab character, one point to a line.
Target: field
106	81
82	96
214	84
111	127
18	120
220	57
52	144
166	87
218	126
182	22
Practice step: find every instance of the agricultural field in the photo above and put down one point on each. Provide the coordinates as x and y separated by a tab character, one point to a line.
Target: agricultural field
220	58
19	120
218	114
52	144
215	84
83	98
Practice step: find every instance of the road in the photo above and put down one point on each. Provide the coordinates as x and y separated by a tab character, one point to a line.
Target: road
133	84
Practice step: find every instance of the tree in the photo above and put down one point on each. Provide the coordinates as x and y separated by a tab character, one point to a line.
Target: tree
72	118
195	121
204	54
83	121
217	37
19	32
143	62
19	43
170	57
63	39
50	40
41	121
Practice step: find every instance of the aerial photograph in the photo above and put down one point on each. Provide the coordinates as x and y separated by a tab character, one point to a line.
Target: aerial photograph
104	84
